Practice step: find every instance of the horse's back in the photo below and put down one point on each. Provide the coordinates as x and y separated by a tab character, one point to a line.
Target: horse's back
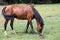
23	11
20	12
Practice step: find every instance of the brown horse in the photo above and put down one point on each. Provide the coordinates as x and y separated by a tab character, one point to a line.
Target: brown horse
27	12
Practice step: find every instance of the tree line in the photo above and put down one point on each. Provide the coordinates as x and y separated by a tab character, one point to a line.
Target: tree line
29	1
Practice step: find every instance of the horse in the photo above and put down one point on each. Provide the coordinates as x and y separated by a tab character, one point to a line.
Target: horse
25	12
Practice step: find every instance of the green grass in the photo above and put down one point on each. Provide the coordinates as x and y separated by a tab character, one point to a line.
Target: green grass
51	16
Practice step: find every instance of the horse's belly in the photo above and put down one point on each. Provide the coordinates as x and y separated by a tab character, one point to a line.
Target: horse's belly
22	17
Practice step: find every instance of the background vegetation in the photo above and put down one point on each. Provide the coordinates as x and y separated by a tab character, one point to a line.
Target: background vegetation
28	1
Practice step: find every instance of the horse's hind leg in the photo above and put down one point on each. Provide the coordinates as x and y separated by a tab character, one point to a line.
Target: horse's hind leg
5	25
11	24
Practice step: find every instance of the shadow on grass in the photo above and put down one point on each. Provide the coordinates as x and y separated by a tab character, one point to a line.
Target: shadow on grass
26	33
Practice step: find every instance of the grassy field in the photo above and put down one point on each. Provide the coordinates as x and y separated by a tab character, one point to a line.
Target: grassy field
51	16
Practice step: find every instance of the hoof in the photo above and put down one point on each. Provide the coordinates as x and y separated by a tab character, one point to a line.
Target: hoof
26	32
33	32
5	33
41	36
13	32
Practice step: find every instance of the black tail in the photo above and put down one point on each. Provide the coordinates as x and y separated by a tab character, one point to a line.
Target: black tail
6	16
38	17
3	11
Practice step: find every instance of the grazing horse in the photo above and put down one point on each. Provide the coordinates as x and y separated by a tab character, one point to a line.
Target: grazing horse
27	12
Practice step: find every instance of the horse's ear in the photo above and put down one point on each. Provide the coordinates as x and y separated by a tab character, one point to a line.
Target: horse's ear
31	5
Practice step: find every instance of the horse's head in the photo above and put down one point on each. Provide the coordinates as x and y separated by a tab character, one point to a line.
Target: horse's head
39	20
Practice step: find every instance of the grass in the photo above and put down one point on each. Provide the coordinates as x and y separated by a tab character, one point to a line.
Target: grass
51	16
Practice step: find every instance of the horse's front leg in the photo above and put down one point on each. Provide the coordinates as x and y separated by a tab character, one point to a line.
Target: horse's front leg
27	26
5	25
11	24
30	22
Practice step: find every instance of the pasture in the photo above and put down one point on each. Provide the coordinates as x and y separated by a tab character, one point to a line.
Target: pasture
51	31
